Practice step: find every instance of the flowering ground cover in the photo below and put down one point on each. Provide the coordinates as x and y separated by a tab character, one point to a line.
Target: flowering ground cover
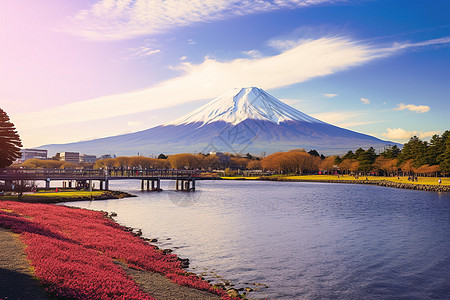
73	251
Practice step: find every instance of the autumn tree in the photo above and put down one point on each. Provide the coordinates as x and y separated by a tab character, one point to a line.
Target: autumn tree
328	164
295	161
254	165
184	160
10	143
346	165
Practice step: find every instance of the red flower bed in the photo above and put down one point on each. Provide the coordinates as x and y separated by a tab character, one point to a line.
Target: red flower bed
72	251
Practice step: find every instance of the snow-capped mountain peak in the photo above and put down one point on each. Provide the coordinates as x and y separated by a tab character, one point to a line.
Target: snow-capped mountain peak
241	104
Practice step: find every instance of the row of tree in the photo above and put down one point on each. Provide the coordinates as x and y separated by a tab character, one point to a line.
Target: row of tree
416	157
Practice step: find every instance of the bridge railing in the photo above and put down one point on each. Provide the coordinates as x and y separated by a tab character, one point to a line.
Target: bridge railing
13	174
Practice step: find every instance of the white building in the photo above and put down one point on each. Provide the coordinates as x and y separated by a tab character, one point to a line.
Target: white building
72	157
32	153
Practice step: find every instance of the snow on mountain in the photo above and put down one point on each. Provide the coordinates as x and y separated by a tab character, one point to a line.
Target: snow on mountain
240	121
238	105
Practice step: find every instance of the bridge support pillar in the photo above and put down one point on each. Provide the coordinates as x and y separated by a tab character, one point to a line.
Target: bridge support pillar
101	185
106	185
47	184
193	185
158	184
142	184
70	184
176	184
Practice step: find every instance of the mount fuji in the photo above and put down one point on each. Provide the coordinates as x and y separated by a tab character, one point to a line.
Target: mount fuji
240	121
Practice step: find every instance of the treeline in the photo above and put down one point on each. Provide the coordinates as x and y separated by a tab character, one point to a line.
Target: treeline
416	157
34	163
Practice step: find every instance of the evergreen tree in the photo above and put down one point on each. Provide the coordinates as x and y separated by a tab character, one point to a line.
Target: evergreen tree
414	149
10	143
366	158
162	156
391	152
444	158
314	153
349	155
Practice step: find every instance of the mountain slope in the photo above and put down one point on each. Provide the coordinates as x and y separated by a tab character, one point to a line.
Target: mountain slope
240	121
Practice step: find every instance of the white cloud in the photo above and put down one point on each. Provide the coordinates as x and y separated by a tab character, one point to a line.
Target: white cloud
207	80
344	118
402	134
330	95
183	58
412	107
122	19
253	53
134	123
365	100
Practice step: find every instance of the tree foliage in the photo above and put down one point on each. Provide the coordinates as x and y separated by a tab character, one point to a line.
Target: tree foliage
10	142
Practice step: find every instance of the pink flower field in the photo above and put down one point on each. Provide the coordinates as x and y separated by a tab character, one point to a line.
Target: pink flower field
73	250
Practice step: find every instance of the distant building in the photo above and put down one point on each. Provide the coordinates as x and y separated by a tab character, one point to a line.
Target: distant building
72	157
85	158
105	156
32	153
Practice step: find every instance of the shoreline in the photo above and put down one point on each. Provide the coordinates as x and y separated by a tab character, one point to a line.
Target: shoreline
61	197
164	277
384	183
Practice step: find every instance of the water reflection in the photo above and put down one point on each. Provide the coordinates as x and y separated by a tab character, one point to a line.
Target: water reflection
304	240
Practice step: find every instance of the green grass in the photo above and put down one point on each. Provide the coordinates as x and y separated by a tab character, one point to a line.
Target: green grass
54	195
421	180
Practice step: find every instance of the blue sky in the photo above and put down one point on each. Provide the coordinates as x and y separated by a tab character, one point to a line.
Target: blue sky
77	70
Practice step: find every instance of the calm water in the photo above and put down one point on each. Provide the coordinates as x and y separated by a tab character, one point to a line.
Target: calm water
302	240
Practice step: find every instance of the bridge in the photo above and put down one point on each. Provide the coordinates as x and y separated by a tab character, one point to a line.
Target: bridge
150	178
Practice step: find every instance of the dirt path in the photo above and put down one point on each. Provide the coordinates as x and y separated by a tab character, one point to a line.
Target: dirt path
16	282
160	287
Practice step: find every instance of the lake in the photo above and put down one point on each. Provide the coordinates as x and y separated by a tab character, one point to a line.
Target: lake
301	240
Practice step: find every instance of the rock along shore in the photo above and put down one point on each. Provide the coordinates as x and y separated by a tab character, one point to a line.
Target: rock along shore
386	183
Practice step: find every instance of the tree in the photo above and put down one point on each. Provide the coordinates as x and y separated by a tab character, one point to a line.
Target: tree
349	155
416	150
10	143
314	152
391	152
162	156
366	159
444	158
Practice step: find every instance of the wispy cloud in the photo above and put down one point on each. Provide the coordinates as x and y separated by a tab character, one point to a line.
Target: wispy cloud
344	118
253	53
439	41
365	100
307	60
122	19
412	107
145	50
402	134
330	95
211	77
